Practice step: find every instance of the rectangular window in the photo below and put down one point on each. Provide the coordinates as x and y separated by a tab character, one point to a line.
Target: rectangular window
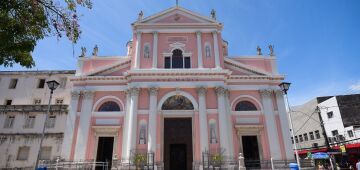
41	84
59	101
311	134
37	101
296	139
350	133
187	62
63	82
13	83
23	153
306	137
301	138
9	121
50	123
45	153
330	139
335	132
317	134
29	122
8	102
167	62
330	115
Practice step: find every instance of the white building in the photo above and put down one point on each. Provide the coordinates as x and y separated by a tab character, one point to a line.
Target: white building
24	96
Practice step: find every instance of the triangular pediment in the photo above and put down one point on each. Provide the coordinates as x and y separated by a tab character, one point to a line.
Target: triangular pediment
176	15
238	68
111	69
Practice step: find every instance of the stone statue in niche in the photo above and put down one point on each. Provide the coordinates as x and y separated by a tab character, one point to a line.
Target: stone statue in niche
142	135
207	51
258	49
213	133
146	51
83	52
95	50
271	48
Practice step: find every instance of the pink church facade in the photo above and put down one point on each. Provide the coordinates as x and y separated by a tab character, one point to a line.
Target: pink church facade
177	94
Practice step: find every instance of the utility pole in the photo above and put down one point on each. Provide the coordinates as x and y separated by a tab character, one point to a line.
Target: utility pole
323	128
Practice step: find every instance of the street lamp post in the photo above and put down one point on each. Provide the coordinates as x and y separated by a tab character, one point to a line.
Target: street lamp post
285	87
52	86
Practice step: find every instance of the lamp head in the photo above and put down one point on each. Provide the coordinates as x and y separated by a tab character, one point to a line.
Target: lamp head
284	86
52	84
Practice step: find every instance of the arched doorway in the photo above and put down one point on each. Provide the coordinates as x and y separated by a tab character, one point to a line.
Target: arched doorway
178	140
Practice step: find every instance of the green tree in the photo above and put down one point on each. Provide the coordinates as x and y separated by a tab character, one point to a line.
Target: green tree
24	22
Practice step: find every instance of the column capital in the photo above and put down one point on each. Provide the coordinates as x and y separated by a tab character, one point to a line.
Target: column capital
201	91
75	94
266	92
198	33
214	32
138	33
220	91
155	32
88	94
134	91
279	92
153	91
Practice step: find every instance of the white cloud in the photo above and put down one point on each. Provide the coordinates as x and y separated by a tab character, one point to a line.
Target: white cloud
355	87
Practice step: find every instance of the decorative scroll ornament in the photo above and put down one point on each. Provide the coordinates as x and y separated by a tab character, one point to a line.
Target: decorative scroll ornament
266	92
153	91
201	91
75	94
220	90
88	94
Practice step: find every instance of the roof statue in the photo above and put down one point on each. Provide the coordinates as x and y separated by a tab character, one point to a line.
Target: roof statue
140	16
95	50
83	52
271	48
213	14
258	49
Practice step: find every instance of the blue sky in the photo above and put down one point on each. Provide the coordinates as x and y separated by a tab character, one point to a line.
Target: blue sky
317	42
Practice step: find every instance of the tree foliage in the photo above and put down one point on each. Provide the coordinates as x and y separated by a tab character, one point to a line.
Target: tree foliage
24	22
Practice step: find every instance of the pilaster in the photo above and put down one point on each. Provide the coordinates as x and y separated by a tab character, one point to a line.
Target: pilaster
70	125
155	47
224	136
84	124
216	50
152	119
199	47
271	128
204	139
137	50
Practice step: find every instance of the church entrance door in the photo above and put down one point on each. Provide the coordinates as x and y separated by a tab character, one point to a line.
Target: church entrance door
251	151
104	151
178	154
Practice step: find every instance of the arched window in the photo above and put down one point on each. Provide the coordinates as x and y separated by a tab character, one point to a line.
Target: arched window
245	106
177	102
109	106
177	60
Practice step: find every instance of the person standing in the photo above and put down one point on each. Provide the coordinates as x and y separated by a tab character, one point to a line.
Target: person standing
358	164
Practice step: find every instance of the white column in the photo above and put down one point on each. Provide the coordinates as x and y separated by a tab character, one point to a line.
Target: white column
129	141
285	129
216	50
155	47
125	148
204	139
224	136
199	48
152	120
229	123
84	123
137	50
271	128
70	125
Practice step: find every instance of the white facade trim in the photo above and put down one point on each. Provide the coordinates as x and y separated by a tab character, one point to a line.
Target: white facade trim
179	92
234	102
105	98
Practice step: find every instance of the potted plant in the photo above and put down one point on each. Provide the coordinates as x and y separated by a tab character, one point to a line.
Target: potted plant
139	160
217	160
